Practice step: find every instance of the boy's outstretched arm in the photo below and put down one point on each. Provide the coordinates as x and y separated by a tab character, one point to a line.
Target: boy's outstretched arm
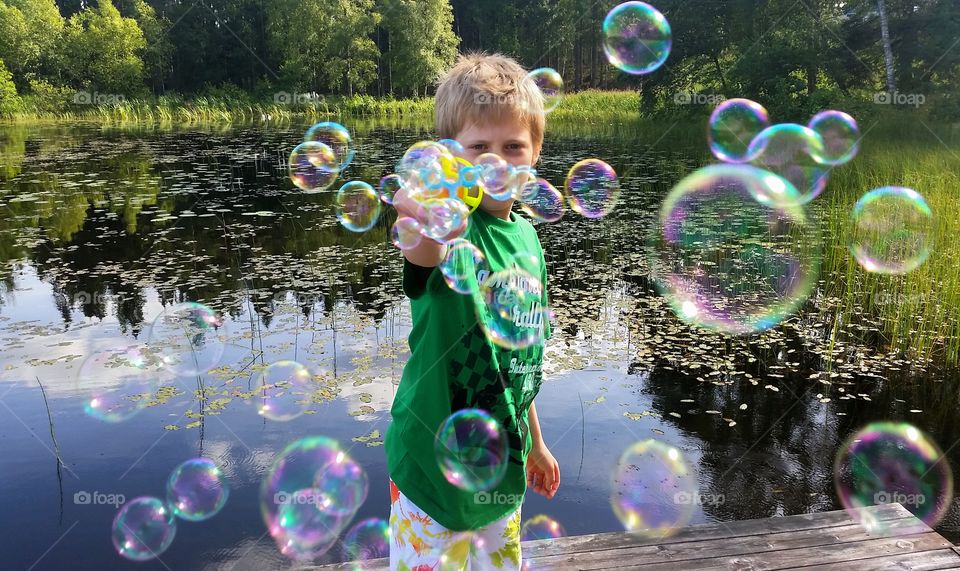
543	470
428	253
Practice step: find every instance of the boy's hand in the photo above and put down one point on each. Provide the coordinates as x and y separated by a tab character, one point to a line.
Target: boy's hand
543	471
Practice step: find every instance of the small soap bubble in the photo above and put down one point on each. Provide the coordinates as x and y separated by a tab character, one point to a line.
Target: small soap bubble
444	218
541	527
512	313
197	490
733	125
636	38
190	337
461	265
592	187
541	201
313	166
337	138
143	529
358	206
406	233
892	230
283	391
453	146
795	153
367	539
471	449
495	174
840	134
653	490
550	83
389	186
119	383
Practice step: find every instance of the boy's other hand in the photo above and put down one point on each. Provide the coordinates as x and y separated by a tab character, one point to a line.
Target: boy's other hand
543	471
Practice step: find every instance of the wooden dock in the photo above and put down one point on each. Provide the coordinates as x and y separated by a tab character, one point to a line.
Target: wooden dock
828	540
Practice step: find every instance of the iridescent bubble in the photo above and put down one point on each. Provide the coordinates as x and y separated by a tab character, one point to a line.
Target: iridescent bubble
795	153
453	146
405	233
335	136
592	188
389	186
143	529
444	218
197	490
421	156
550	83
367	539
512	313
313	166
294	508
893	462
283	391
344	484
735	252
541	527
118	383
495	174
471	449
190	337
840	134
461	265
733	125
636	37
892	230
541	201
521	177
358	206
653	490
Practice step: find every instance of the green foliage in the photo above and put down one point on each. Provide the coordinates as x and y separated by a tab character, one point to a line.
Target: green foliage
29	34
421	42
101	51
47	98
10	102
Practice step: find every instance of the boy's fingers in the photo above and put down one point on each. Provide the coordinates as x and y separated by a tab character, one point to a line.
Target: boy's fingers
556	476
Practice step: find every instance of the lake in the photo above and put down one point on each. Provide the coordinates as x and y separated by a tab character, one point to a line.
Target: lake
104	227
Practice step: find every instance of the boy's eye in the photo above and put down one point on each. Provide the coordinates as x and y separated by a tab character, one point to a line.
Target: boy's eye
478	147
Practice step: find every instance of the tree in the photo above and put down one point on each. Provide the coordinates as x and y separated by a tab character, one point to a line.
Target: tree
9	100
887	50
30	31
421	42
159	51
102	50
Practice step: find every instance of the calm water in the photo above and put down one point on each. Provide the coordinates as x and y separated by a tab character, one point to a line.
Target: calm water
100	229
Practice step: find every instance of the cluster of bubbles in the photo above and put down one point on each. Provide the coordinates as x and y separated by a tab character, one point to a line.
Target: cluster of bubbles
145	527
326	150
186	339
471	450
309	495
652	489
893	462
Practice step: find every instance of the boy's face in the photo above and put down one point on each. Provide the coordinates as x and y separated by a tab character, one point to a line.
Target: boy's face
508	138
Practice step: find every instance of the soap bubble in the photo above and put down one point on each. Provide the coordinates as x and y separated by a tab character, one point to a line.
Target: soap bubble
512	314
653	490
592	188
304	509
521	177
461	265
550	84
358	206
420	156
893	462
197	490
453	146
313	166
840	134
389	186
284	391
335	136
444	218
471	449
795	153
541	527
190	337
406	233
367	539
733	125
495	174
893	229
542	201
143	529
119	382
636	37
735	252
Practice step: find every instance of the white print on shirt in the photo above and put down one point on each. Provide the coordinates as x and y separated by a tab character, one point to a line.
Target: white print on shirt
505	297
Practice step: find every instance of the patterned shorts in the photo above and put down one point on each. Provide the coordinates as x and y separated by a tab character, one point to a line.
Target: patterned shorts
420	544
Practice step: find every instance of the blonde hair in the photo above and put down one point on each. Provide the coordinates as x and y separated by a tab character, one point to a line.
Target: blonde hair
481	87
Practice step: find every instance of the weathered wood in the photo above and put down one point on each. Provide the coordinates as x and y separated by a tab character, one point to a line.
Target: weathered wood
829	540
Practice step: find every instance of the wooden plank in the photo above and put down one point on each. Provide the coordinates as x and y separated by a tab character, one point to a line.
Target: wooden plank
937	560
604	541
792	558
694	551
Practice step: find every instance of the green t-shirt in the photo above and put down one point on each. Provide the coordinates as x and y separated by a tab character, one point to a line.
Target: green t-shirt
454	366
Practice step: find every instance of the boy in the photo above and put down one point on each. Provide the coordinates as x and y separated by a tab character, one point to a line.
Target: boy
484	103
